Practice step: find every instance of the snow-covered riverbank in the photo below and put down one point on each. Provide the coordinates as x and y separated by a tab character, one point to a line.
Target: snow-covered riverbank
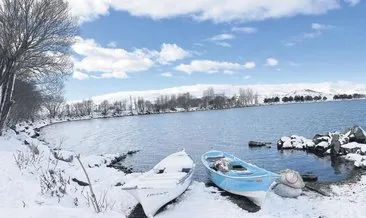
25	192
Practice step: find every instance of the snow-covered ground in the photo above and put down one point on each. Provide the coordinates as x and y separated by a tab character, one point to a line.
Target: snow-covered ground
22	194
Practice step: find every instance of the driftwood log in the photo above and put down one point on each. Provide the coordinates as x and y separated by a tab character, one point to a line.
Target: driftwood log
258	144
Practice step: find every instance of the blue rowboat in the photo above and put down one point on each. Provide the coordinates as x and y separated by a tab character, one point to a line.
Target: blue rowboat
240	178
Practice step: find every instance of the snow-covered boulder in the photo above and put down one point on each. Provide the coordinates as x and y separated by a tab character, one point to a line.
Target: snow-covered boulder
358	135
321	138
354	147
294	142
324	145
359	160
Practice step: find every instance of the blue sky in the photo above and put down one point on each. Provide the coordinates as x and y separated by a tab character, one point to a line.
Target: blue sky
142	47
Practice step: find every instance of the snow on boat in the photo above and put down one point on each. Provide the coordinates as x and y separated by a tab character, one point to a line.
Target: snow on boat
165	182
237	176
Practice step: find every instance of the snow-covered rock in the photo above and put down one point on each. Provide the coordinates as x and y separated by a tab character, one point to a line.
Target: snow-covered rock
324	145
359	160
295	142
358	134
354	147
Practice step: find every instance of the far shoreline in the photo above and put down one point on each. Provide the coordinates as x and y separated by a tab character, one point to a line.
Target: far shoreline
92	117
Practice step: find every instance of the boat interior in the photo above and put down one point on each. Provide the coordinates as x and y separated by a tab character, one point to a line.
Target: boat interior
235	166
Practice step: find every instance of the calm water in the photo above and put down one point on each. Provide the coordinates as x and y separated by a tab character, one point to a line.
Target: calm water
228	130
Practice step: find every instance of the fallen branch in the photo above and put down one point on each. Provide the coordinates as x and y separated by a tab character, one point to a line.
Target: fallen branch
94	199
317	190
81	183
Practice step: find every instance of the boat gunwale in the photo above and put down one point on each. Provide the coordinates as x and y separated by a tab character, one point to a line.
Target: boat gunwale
243	177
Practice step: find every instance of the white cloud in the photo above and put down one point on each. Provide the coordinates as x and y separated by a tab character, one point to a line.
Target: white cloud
213	10
249	65
112	44
171	52
111	62
167	74
117	62
87	10
79	75
210	67
198	44
352	2
115	74
223	44
318	30
271	62
247	30
228	72
207	66
317	26
247	77
289	44
222	37
294	64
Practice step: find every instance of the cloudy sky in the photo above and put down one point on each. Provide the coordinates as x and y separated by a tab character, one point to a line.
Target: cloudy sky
134	45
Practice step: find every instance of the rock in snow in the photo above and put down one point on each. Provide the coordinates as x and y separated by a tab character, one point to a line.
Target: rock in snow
335	143
354	147
359	160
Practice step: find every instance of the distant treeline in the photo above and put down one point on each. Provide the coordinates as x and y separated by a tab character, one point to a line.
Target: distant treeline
181	102
296	98
164	103
309	98
345	96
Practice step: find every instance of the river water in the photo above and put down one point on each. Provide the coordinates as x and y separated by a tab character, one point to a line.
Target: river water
229	130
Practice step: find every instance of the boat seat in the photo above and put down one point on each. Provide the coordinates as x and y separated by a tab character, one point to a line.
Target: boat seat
164	176
186	170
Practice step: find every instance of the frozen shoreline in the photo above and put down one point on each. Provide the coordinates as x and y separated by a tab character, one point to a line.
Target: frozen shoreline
20	191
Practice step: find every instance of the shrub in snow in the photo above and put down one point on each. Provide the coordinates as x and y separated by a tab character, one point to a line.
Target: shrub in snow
54	183
27	157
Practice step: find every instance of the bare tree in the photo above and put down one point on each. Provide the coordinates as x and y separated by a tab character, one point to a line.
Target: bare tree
53	95
141	104
124	105
29	102
67	110
88	106
53	104
35	36
130	106
135	106
118	107
256	98
148	106
104	107
210	92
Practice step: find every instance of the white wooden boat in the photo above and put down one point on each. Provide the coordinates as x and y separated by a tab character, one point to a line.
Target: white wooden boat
165	182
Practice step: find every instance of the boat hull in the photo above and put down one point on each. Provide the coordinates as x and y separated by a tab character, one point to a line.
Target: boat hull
164	183
153	199
253	186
